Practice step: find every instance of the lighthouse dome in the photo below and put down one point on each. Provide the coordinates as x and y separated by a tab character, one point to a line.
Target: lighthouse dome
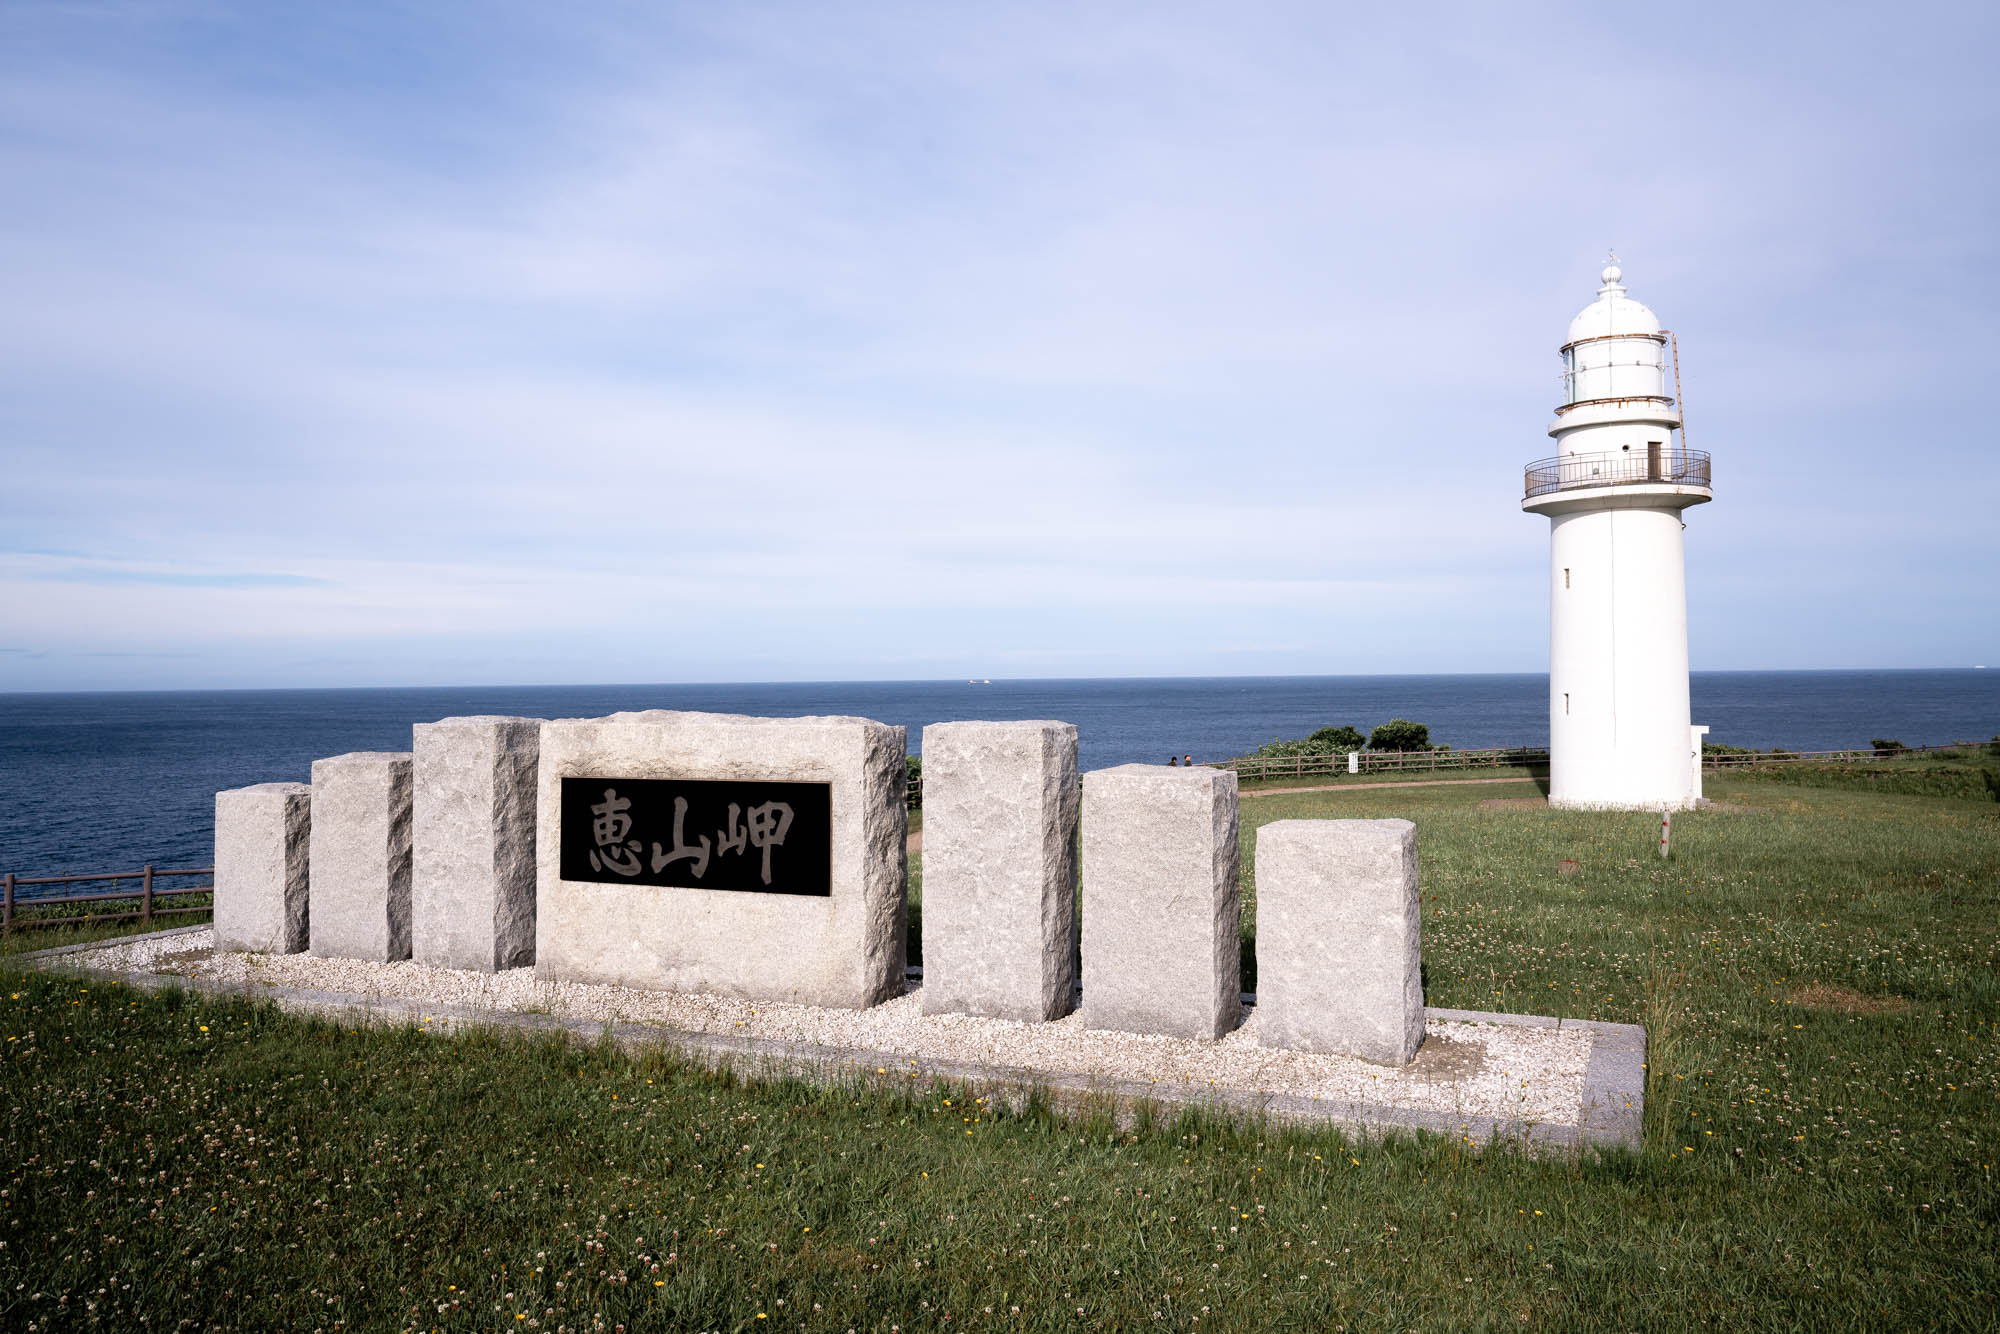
1613	312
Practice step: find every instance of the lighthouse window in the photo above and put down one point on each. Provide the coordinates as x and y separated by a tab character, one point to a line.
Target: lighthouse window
1565	576
1565	703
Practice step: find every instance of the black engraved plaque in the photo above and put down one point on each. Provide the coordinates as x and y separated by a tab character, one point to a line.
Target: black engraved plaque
764	838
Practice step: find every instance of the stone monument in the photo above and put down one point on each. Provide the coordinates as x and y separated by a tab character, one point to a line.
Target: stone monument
754	857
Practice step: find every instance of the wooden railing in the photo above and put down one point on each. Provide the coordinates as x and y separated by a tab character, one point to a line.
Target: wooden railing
1381	761
148	893
1730	760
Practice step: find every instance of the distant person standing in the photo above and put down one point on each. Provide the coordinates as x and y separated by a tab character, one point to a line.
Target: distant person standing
1170	761
1188	761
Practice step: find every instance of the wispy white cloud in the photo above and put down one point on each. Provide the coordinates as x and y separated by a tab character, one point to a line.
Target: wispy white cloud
802	341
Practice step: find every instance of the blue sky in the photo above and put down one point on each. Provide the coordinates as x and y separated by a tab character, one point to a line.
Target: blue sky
403	344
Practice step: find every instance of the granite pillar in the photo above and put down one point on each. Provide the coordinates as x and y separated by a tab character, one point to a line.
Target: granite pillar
361	856
472	885
1160	904
262	846
1000	813
1339	964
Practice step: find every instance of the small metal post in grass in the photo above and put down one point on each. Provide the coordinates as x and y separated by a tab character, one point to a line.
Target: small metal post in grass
7	911
1666	830
146	886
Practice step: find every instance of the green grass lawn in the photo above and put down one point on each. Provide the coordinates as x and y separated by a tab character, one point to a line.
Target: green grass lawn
1823	1125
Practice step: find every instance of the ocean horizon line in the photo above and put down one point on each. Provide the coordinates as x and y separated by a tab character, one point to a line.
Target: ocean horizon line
941	681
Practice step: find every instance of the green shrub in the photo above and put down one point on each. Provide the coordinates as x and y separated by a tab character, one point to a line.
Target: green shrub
1886	747
1326	741
1338	740
1400	734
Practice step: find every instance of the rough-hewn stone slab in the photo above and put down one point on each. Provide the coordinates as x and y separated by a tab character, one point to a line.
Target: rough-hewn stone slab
262	847
472	887
1000	811
844	949
1160	905
361	856
1339	961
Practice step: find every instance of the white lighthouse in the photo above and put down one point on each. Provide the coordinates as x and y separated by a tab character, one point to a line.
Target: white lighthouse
1619	733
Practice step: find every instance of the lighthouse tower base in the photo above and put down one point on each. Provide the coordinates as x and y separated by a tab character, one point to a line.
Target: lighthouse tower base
1619	733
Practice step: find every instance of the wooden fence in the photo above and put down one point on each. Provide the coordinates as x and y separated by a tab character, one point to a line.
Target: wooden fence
1381	761
1370	761
148	893
1367	761
1730	760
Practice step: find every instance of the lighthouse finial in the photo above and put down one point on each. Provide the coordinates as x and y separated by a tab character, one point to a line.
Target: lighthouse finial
1612	273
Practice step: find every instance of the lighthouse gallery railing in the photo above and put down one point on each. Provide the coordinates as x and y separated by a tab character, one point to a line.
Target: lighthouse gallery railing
1575	472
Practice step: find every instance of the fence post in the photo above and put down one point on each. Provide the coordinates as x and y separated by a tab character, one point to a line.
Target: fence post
7	911
146	894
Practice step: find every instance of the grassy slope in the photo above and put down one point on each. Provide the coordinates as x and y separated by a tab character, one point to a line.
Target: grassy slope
28	938
1380	776
1821	1137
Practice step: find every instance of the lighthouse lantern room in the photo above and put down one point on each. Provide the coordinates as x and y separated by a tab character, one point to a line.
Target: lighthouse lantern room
1614	493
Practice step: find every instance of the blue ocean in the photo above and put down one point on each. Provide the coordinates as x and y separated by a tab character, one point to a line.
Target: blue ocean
104	782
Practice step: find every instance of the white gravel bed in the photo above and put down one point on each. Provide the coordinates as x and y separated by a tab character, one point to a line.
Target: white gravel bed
1464	1070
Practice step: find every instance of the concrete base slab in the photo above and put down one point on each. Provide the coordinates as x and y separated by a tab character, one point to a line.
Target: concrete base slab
1595	1099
